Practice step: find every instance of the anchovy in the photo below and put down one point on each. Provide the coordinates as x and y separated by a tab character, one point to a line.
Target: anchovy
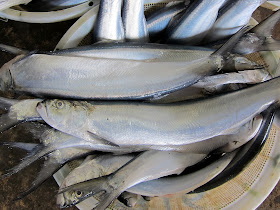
125	123
134	21
228	23
100	78
194	24
143	168
109	25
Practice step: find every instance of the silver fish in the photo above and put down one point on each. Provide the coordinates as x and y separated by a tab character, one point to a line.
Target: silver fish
228	22
143	168
134	21
182	183
109	25
195	23
99	78
158	21
99	166
125	123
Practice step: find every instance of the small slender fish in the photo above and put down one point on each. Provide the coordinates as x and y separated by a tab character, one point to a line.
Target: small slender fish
125	123
228	23
145	167
101	78
134	21
109	25
158	21
195	23
99	166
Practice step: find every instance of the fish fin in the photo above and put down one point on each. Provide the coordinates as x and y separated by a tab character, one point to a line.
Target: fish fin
49	167
7	122
13	50
21	145
38	152
93	187
101	139
230	44
265	28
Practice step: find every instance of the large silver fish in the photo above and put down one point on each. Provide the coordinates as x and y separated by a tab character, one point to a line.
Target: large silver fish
134	21
100	78
109	25
195	23
143	168
125	123
234	16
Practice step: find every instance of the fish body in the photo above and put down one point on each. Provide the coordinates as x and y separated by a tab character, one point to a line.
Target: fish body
125	123
143	168
158	21
228	22
134	21
5	4
109	25
194	24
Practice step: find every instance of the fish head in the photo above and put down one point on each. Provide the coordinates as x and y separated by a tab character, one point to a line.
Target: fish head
71	198
62	114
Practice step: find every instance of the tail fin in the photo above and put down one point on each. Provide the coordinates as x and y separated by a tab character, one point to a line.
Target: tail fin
13	50
93	187
25	146
230	44
38	152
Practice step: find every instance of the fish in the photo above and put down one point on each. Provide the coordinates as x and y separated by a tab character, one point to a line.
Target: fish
245	155
158	21
100	78
109	25
98	166
5	4
144	167
182	183
228	23
134	21
194	24
125	123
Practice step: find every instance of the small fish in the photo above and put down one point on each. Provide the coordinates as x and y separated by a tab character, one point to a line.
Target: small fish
228	23
144	167
195	23
109	25
134	21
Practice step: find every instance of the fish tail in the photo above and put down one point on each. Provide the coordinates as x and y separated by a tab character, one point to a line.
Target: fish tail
49	167
24	146
230	44
93	187
13	50
38	152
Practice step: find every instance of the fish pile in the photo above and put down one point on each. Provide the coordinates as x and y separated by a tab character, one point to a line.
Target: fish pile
163	102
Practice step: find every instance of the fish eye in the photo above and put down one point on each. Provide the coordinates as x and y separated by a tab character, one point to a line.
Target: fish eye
59	104
78	194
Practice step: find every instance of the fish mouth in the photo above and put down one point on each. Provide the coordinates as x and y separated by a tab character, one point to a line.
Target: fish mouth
42	110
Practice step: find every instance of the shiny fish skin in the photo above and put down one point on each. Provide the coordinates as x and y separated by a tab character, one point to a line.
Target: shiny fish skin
143	168
166	124
97	78
158	21
194	24
228	22
182	183
109	25
134	21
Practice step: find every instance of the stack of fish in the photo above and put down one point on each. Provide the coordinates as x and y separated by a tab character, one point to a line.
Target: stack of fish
152	90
